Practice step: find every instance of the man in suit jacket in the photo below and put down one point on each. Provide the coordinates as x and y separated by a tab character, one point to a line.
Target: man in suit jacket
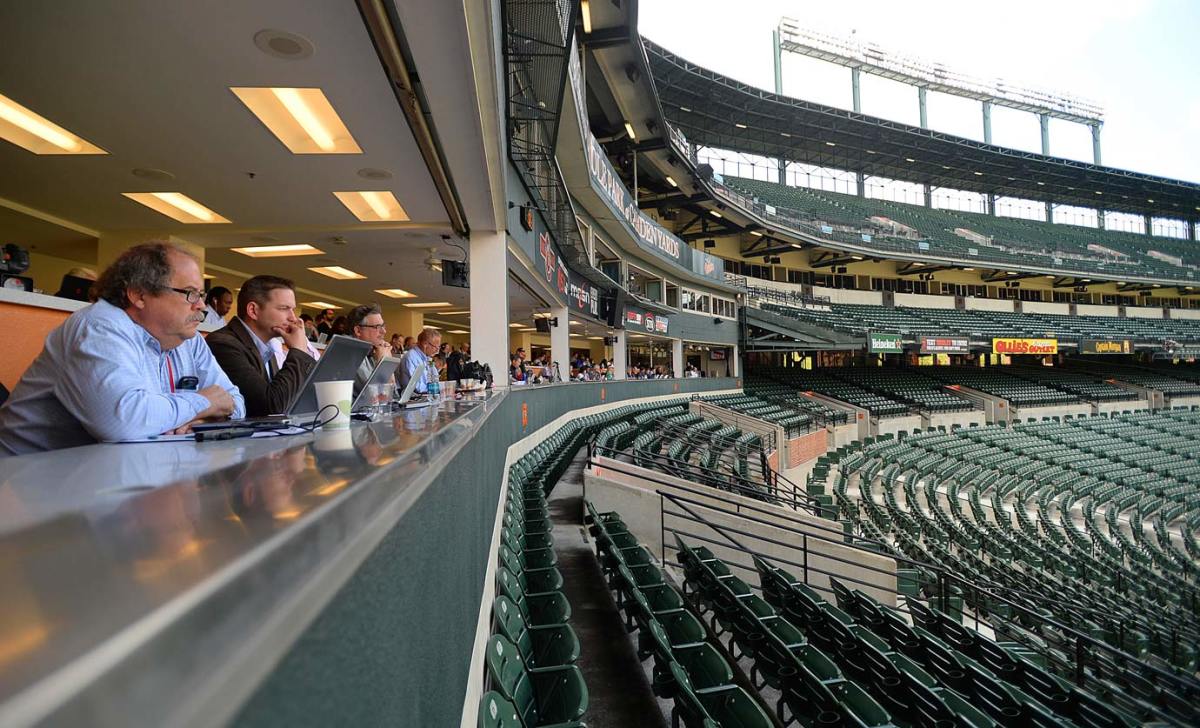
266	309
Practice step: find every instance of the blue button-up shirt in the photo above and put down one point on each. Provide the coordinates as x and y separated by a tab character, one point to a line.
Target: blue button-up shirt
101	376
415	364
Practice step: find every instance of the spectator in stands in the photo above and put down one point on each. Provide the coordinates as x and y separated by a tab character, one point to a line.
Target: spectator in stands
266	309
77	284
325	322
366	324
409	342
445	349
455	362
219	303
522	363
439	363
515	372
397	344
310	327
416	360
128	366
340	327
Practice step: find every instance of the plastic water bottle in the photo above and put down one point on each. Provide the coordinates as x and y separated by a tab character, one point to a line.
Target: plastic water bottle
432	386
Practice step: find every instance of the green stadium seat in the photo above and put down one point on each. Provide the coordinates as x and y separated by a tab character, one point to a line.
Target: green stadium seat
545	646
727	706
549	696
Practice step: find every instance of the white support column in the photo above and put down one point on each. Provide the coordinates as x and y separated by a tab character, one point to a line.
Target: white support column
619	355
560	341
735	362
677	357
489	302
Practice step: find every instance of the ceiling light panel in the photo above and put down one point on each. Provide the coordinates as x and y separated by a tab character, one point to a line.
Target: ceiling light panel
278	251
37	134
373	206
177	206
439	304
395	293
301	118
338	272
320	304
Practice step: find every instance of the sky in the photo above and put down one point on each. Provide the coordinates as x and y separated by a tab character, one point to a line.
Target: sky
1140	59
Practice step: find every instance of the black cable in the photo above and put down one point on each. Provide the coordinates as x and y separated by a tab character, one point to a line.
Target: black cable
307	428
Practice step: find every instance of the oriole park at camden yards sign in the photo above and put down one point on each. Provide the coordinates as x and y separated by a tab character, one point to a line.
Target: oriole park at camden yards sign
1025	346
647	232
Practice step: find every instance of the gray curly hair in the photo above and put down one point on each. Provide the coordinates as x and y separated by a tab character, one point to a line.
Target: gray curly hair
145	267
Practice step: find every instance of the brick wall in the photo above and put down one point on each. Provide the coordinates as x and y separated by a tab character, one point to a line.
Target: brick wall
806	447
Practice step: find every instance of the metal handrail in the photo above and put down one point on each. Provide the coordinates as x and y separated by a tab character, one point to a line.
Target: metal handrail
800	501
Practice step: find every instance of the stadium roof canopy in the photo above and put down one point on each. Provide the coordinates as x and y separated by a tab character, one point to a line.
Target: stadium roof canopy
707	107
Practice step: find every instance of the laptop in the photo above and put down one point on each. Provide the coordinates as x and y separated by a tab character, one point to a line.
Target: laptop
408	400
339	363
385	371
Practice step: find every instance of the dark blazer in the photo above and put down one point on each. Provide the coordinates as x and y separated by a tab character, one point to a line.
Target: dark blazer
238	356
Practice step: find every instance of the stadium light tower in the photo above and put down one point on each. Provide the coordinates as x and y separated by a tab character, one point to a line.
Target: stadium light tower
927	76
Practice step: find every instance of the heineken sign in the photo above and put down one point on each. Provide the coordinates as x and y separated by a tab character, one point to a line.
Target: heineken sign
884	343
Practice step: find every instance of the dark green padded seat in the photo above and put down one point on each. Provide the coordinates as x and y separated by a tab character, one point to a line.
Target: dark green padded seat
546	696
544	646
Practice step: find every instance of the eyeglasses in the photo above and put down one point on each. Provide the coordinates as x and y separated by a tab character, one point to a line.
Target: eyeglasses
381	327
191	294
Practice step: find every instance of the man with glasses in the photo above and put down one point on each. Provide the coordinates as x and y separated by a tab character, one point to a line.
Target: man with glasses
366	324
416	360
266	313
128	366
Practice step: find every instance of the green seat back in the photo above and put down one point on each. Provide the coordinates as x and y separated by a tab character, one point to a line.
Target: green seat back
511	679
496	712
511	624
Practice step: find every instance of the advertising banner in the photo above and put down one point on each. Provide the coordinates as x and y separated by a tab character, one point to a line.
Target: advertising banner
884	343
1025	346
637	320
945	345
581	295
1100	346
648	234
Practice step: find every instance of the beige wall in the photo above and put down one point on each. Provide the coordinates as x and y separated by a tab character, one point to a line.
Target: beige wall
1062	309
988	304
922	301
47	270
1143	313
1086	309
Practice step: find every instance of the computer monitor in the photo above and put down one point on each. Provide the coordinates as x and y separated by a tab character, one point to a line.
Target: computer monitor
339	363
385	371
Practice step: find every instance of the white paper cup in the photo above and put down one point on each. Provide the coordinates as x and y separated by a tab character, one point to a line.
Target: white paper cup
339	394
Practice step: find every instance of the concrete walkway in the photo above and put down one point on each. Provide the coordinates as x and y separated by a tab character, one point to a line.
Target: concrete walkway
617	682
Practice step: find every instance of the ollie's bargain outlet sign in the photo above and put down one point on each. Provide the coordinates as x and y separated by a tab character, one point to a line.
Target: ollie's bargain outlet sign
1025	346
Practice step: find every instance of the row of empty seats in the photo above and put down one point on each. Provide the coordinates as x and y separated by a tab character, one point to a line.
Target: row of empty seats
985	239
1005	506
856	318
